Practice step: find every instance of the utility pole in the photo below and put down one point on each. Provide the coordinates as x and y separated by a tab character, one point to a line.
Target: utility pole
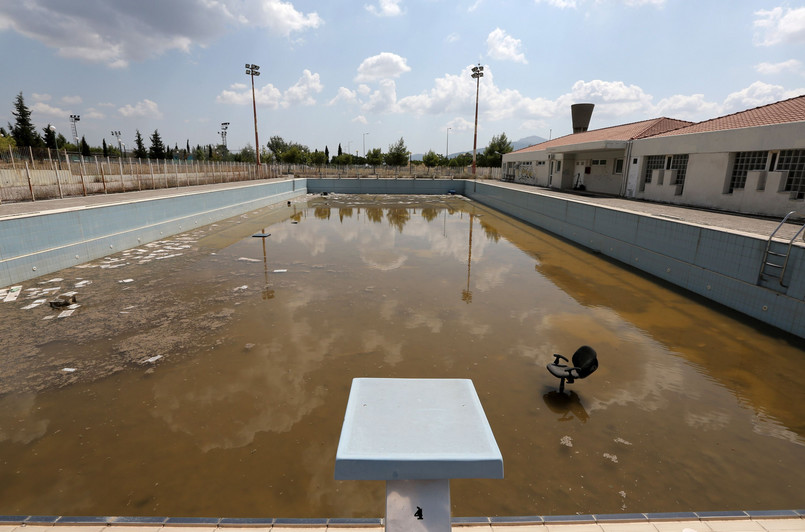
254	70
477	74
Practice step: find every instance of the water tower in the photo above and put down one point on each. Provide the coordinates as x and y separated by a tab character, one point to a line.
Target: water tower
581	113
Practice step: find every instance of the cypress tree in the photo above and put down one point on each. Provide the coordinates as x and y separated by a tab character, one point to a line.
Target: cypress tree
23	130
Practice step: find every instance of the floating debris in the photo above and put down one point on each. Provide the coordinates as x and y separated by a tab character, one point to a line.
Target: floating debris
238	289
280	271
65	313
567	441
82	284
152	359
68	370
13	293
126	281
611	457
64	300
247	259
261	235
621	440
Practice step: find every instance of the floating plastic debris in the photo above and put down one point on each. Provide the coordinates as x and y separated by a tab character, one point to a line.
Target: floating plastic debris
13	293
280	271
611	457
152	359
567	441
261	235
65	313
244	287
247	259
68	370
126	281
621	440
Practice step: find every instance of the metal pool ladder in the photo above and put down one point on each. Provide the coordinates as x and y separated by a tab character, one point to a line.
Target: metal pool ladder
775	258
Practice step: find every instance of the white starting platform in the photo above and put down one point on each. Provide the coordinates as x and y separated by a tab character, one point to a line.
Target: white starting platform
416	434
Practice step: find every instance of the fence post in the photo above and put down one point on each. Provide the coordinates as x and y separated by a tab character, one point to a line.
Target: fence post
151	170
30	185
139	167
81	175
100	171
69	171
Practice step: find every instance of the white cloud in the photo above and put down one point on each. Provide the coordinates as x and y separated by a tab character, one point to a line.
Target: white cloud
360	119
503	46
301	93
562	4
687	107
573	4
757	94
48	110
384	99
344	95
143	109
461	124
93	114
780	25
614	98
41	97
453	37
792	65
71	100
386	8
117	33
385	65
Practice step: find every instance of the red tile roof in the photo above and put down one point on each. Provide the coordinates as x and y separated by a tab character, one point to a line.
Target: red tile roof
635	130
791	110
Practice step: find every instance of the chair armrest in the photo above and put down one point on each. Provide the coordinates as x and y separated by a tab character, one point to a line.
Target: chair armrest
556	360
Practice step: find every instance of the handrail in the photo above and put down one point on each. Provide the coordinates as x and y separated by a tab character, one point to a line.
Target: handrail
788	253
768	248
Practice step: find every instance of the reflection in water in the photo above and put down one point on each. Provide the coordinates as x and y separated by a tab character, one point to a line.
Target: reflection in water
567	405
241	416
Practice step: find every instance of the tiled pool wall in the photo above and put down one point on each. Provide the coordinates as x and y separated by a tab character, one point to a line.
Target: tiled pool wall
717	264
41	243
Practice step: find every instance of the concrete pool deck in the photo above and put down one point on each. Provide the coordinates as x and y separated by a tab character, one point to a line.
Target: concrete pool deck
784	521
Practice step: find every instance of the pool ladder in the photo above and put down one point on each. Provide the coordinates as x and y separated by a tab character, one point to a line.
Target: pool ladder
775	258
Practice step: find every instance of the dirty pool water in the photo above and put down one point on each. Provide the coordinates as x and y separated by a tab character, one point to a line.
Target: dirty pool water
207	374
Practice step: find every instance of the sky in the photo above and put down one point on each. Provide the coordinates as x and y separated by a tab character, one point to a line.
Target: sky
365	73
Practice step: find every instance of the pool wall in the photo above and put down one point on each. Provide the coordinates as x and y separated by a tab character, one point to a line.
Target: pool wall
720	265
41	243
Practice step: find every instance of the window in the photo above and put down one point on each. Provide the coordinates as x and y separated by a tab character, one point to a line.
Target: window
618	166
599	162
540	163
653	162
746	161
793	161
680	164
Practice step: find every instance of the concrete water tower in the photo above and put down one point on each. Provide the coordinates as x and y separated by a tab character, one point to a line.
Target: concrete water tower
581	113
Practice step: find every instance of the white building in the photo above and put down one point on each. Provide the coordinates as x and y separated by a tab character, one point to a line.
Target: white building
751	162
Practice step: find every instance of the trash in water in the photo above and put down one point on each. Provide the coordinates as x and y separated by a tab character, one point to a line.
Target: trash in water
65	313
68	370
152	359
280	271
244	287
126	281
64	300
247	259
261	235
82	284
611	457
567	441
621	440
13	293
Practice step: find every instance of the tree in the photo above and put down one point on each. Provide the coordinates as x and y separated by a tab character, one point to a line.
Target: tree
6	140
318	158
278	146
23	130
339	150
498	146
85	147
139	146
430	159
397	154
157	149
61	141
374	157
326	155
105	149
50	137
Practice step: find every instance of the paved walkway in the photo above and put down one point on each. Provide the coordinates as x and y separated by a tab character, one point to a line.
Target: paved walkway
761	227
795	524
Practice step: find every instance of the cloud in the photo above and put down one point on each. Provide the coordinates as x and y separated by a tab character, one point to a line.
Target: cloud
792	65
117	33
503	46
386	8
41	97
573	4
344	95
453	37
384	65
48	110
384	99
757	94
71	100
780	26
562	4
687	107
301	93
360	119
143	109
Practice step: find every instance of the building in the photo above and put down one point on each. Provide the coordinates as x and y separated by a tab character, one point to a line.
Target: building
750	162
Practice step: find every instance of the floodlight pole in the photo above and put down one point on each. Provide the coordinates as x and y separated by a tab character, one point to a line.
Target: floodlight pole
477	74
73	120
253	70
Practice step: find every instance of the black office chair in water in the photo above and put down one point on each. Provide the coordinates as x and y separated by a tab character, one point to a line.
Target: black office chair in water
585	361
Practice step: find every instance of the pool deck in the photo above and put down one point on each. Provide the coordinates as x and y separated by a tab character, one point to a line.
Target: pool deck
759	226
784	521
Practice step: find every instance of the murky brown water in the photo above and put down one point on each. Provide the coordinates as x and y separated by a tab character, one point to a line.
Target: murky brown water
691	409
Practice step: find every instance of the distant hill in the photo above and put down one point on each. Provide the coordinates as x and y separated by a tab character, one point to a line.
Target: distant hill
516	145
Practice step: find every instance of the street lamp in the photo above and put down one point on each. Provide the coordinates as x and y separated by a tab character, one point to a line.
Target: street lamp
73	120
224	127
447	145
477	74
364	145
254	70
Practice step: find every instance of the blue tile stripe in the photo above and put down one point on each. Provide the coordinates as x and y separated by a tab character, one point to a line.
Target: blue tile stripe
265	522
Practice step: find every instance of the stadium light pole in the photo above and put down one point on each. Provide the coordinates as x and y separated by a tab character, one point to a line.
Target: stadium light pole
73	120
224	127
477	74
254	70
